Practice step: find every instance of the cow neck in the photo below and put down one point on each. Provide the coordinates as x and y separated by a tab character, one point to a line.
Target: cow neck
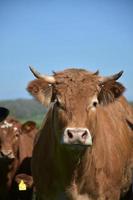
67	161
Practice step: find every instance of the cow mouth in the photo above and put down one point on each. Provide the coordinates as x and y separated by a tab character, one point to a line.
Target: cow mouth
6	158
76	146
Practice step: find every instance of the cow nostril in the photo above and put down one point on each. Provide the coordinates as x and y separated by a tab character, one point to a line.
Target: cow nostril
6	153
84	135
70	135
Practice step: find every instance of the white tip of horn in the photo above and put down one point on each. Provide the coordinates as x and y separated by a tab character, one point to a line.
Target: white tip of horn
49	79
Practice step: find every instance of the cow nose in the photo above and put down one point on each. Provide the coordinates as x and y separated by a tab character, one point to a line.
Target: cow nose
77	136
73	133
7	153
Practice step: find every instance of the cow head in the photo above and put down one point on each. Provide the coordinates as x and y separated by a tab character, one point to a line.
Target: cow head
9	138
77	94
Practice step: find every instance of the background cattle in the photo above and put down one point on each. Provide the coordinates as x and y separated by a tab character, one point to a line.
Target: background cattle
9	143
26	141
85	146
16	143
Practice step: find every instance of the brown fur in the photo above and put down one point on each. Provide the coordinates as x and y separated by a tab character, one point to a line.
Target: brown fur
100	172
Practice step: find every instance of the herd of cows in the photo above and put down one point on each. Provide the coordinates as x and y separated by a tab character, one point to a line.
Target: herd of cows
84	148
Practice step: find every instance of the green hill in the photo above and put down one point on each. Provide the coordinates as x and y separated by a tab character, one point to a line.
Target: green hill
25	109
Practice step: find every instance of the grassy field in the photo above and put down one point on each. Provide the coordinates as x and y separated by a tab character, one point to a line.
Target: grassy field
25	109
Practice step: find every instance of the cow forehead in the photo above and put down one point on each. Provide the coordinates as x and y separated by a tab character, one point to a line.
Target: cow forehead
74	75
76	82
7	129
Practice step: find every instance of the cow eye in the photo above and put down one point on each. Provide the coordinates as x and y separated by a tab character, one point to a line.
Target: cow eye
17	135
95	103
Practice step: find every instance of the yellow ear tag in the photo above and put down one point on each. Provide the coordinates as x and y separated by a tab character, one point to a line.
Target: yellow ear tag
22	186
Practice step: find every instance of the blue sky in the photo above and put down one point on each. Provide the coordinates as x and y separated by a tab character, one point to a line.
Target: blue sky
56	34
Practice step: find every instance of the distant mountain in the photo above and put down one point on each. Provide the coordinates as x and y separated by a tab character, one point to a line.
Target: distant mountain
25	109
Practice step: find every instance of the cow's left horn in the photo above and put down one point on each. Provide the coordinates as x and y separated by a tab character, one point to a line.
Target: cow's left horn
109	78
96	73
49	79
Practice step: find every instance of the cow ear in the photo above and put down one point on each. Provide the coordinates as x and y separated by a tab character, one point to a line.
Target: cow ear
28	126
41	90
110	91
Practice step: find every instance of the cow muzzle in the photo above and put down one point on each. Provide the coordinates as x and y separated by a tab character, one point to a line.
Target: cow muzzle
77	136
7	154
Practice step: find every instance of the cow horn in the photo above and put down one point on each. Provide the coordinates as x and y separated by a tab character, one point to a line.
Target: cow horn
111	78
49	79
96	73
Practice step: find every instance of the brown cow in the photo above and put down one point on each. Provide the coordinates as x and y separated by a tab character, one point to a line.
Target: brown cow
9	143
85	146
16	144
26	139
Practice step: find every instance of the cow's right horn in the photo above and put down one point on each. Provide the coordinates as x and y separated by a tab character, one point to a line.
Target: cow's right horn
49	79
110	78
